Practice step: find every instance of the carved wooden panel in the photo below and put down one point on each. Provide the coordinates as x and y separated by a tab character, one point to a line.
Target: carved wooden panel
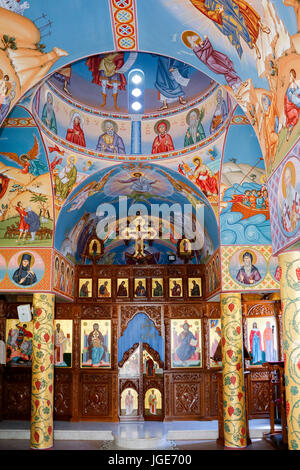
17	396
64	311
258	393
260	309
184	395
2	309
129	383
186	311
175	271
213	309
168	397
95	395
96	311
84	271
211	395
129	311
187	399
63	394
154	382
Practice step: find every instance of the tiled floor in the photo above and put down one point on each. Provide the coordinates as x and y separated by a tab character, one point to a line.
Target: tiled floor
179	435
19	444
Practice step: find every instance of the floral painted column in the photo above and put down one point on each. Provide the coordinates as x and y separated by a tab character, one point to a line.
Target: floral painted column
42	372
289	268
234	411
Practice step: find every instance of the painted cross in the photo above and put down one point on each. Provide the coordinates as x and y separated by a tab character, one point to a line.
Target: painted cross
139	230
122	3
125	29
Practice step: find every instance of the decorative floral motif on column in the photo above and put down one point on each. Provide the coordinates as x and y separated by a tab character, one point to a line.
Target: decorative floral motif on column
290	305
42	372
233	379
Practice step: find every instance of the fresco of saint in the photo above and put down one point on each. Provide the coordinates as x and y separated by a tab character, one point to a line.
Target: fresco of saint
235	19
105	71
66	179
170	76
292	103
75	133
248	273
195	131
163	141
289	203
24	276
204	178
48	114
110	141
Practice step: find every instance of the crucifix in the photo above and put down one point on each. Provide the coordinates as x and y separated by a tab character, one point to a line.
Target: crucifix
139	230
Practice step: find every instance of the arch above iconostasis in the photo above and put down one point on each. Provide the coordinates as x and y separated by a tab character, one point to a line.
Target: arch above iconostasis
145	188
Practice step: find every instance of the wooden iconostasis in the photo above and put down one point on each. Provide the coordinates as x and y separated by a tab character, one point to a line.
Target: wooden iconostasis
137	344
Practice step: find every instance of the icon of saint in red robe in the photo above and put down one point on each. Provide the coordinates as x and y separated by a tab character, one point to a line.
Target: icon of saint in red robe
163	141
75	133
204	177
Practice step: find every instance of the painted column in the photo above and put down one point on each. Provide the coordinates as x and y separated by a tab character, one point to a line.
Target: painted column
234	410
136	136
289	267
42	372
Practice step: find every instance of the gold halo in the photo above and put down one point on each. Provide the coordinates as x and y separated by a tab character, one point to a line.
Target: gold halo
162	121
197	158
195	110
26	253
137	172
293	171
72	156
112	122
263	179
185	35
254	256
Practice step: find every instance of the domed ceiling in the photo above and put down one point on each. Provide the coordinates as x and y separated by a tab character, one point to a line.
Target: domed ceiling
181	109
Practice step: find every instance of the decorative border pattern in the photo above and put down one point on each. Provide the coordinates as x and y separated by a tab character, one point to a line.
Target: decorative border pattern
19	122
123	18
240	119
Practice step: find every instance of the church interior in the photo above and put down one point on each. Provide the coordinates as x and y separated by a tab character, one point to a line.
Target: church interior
150	223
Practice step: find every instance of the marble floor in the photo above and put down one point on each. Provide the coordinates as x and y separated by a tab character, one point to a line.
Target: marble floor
179	435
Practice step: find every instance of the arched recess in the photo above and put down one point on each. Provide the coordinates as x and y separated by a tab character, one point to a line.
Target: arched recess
81	213
147	348
140	329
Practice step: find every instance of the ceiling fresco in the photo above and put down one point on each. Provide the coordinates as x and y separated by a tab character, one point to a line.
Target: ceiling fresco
186	117
244	204
144	186
83	83
250	48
